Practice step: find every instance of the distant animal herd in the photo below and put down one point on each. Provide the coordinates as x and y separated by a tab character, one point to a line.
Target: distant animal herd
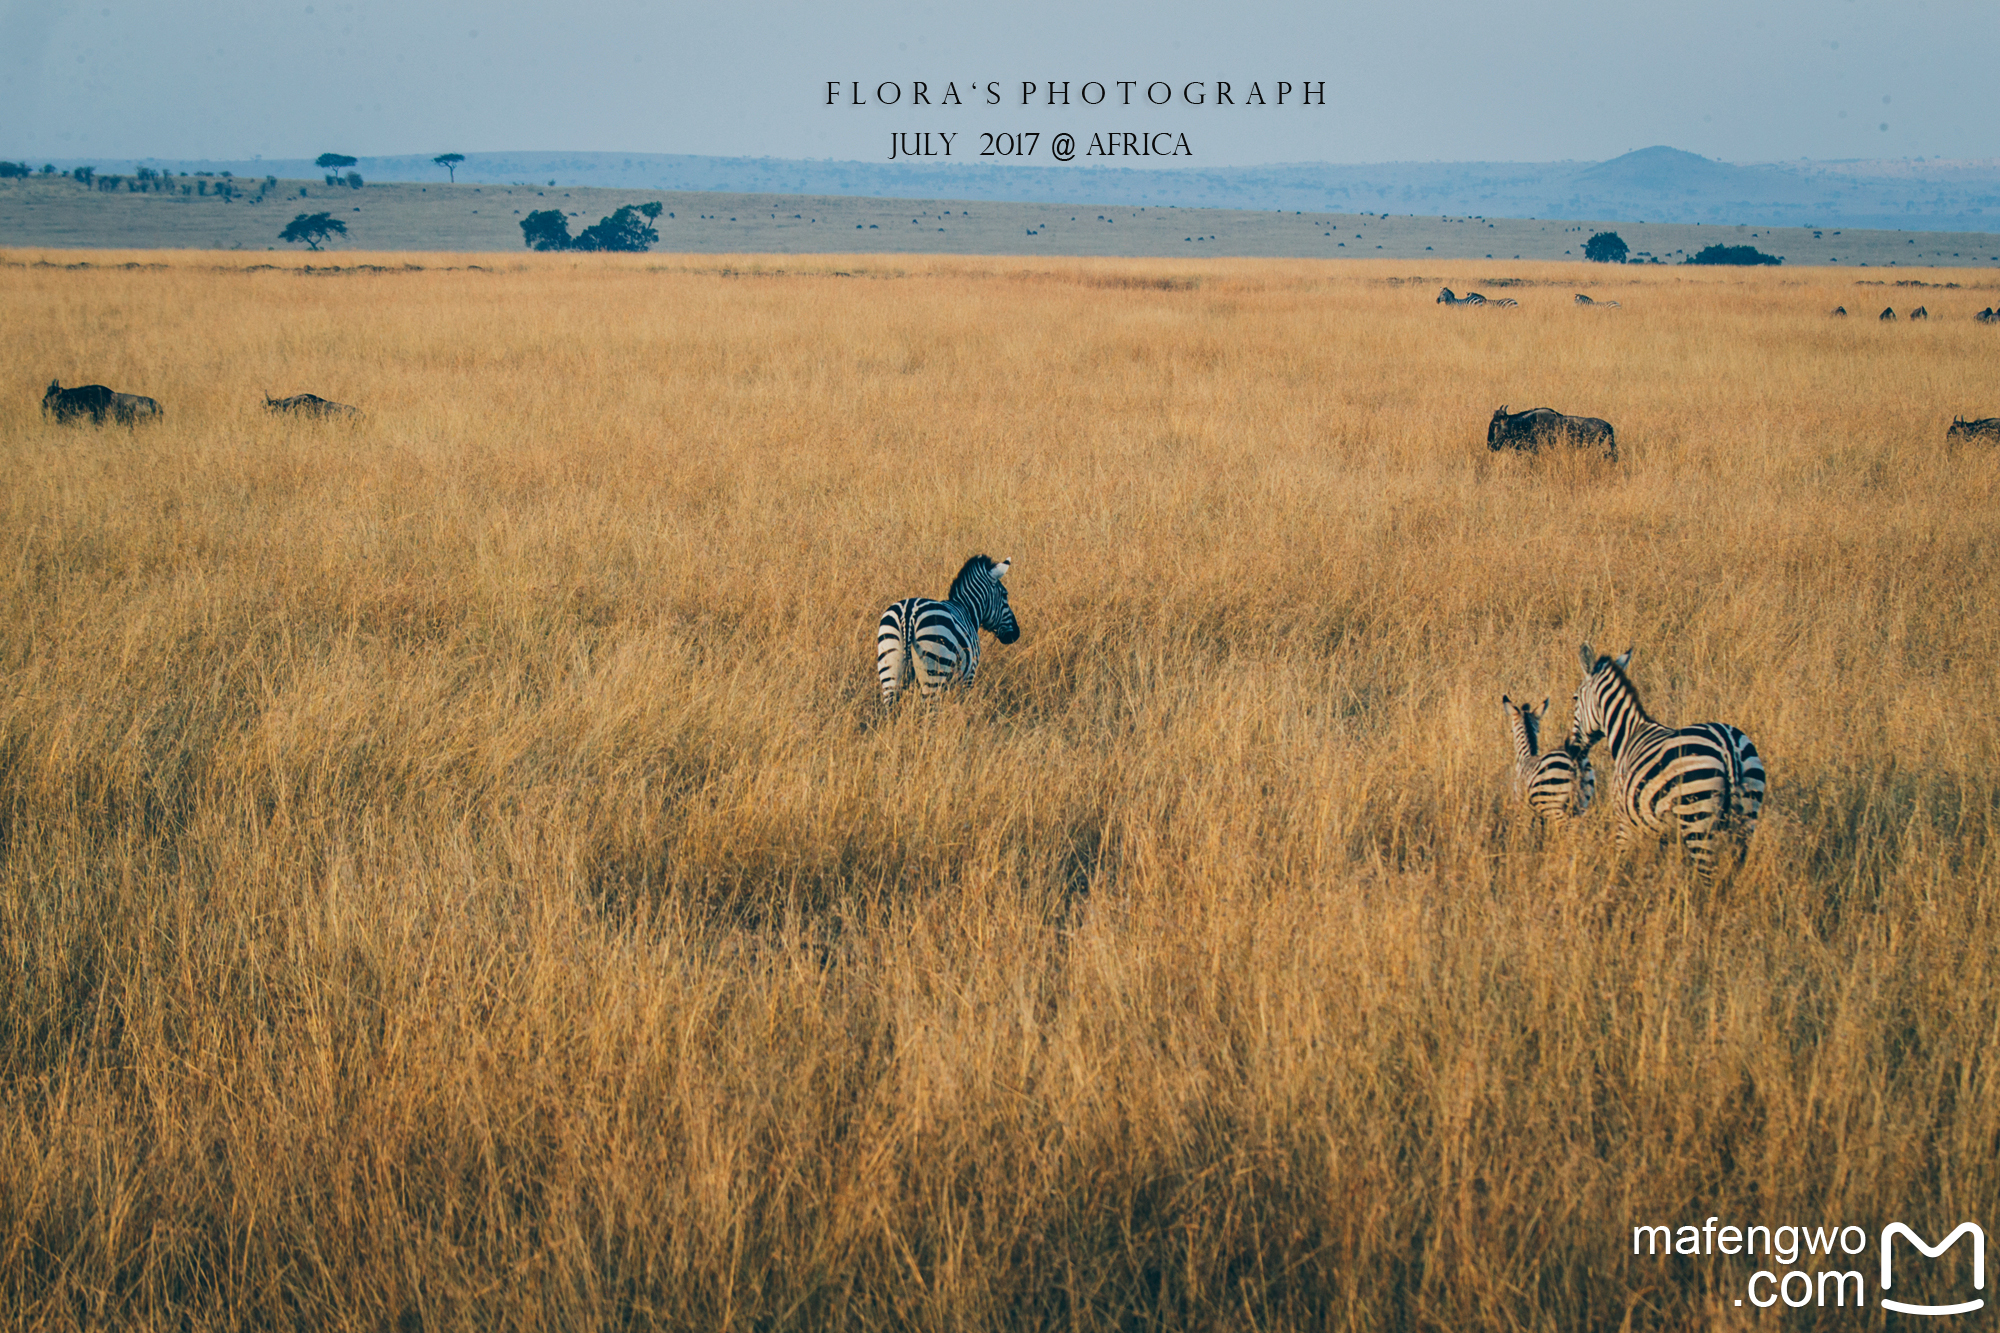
97	402
1528	431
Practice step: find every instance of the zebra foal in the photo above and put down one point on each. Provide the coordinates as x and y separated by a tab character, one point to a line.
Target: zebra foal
1558	786
1700	783
938	642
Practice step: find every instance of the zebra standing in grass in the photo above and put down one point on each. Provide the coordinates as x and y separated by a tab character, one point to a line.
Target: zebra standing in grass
938	642
1701	782
1446	296
1559	785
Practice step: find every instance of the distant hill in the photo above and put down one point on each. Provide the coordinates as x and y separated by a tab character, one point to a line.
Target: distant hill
1656	184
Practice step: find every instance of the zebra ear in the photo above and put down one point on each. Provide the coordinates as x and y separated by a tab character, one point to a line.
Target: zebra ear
1622	662
1543	709
1588	656
1000	570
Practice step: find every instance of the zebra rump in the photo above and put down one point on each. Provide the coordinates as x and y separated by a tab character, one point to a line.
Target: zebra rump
1961	429
1701	783
937	642
1558	786
1530	430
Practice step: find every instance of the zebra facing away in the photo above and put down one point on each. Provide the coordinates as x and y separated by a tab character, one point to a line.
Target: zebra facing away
938	642
1559	785
1701	783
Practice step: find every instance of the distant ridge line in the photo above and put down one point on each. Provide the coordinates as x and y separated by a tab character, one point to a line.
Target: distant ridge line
1657	184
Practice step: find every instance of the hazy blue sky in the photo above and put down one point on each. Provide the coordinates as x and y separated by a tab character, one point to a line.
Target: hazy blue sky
1741	80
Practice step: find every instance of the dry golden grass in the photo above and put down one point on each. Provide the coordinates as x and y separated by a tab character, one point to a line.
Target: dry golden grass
455	872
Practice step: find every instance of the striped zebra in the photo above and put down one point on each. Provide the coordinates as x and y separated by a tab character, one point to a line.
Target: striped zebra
1702	782
1448	297
1559	785
1581	299
938	642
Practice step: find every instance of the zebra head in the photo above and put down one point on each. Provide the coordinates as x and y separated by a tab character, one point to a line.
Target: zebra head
1602	678
1526	724
979	590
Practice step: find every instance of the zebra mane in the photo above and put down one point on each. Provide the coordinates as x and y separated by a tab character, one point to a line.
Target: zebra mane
1631	691
979	564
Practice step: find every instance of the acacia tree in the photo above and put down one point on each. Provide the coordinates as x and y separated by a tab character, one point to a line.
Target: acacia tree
312	228
624	231
546	229
450	161
333	164
1607	247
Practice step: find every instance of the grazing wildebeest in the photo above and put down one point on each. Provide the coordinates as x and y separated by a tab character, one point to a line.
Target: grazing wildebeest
1888	314
1920	313
1961	429
1447	297
1529	430
1840	312
95	399
1988	316
1581	299
309	404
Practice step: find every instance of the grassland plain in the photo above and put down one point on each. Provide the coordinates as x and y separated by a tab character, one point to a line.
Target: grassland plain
452	218
455	872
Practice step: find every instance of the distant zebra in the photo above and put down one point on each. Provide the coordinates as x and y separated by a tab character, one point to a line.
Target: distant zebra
1447	297
1840	312
1559	785
938	642
1702	782
1920	313
1961	429
1988	316
1581	299
1888	315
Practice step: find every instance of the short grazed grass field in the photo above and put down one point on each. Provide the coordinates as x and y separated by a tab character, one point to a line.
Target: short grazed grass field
456	873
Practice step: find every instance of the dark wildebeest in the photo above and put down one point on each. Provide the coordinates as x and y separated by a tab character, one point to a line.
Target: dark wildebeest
308	404
1581	299
1840	312
96	400
1529	430
1961	429
1920	313
1987	316
1888	314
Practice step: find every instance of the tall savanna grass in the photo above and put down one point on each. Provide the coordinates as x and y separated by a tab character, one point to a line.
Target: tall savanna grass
456	871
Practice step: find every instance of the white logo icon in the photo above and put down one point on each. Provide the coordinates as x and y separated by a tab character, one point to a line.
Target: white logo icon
1895	1229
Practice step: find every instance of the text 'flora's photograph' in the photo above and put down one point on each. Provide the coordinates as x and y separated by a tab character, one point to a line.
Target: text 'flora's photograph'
795	668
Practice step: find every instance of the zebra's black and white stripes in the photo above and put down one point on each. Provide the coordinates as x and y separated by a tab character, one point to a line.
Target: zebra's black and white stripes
1559	785
1700	783
938	642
